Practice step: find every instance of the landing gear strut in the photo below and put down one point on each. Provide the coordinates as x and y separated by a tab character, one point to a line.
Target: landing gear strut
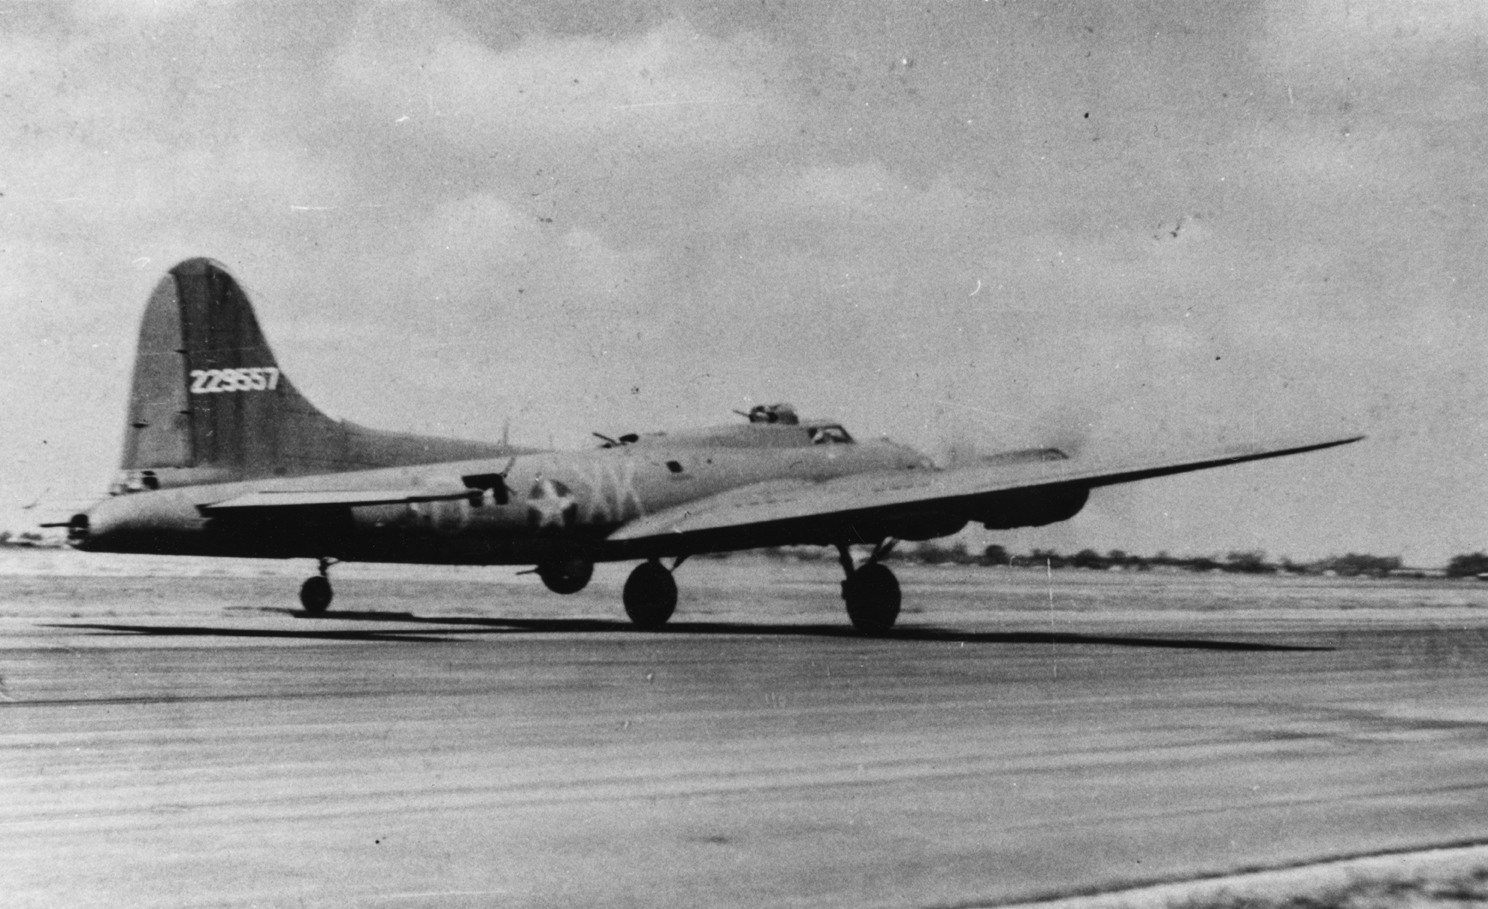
316	593
650	595
870	590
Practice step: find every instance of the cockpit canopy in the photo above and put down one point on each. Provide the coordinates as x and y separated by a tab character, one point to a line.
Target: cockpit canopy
770	426
829	434
820	433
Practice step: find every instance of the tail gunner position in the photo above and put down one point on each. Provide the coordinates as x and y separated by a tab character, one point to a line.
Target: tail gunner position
222	456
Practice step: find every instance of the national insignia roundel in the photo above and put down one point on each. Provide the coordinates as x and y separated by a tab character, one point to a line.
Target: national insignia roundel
549	504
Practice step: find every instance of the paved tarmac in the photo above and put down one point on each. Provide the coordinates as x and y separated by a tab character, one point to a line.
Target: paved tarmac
178	736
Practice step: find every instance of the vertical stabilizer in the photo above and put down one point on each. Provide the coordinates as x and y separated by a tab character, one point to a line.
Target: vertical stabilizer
209	402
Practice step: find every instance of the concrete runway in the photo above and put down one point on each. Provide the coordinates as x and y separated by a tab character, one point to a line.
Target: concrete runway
465	738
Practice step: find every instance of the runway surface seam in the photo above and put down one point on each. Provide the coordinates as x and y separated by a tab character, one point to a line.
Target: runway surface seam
1278	883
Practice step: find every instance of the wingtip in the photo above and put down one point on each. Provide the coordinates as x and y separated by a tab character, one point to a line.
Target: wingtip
1347	441
1302	447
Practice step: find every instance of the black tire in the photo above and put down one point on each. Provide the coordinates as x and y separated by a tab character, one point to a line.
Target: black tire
872	595
650	595
315	595
566	575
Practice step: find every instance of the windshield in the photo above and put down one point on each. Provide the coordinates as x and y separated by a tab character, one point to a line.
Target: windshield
830	435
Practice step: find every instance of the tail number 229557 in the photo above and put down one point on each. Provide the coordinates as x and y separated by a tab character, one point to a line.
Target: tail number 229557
249	378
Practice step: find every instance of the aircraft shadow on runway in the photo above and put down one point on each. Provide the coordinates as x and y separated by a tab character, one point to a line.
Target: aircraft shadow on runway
471	625
448	626
203	631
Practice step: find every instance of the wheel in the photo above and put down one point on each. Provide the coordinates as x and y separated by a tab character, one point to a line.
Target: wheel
566	575
872	595
650	595
315	594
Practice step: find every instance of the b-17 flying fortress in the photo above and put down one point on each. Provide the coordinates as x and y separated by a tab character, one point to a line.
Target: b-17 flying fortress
224	457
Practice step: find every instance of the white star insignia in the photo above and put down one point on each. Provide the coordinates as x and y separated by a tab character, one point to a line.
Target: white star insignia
550	502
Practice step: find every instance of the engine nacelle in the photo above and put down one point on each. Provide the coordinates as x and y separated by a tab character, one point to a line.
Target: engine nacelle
1031	507
925	527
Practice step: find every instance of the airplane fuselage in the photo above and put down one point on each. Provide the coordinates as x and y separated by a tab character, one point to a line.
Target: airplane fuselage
556	504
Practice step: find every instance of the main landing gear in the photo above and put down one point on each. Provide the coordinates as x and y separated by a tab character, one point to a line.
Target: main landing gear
870	590
316	593
651	594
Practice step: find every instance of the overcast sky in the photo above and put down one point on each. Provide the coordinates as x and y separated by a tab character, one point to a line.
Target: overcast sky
965	224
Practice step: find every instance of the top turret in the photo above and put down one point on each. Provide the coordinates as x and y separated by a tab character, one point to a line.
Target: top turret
771	413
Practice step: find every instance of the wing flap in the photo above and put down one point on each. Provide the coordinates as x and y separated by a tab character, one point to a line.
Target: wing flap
905	491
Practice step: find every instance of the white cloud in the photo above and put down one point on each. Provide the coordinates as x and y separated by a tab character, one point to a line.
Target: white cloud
116	10
1313	36
669	89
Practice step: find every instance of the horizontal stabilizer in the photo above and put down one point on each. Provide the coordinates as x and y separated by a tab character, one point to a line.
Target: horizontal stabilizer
266	501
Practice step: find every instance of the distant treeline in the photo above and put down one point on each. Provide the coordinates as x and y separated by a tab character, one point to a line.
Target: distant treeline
1351	564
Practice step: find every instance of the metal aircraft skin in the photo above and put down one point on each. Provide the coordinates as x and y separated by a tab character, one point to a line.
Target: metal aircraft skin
222	456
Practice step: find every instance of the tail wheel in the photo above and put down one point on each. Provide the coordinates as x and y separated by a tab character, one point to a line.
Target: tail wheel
315	594
650	595
872	595
566	575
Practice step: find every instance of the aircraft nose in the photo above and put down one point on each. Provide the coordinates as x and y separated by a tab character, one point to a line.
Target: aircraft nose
90	530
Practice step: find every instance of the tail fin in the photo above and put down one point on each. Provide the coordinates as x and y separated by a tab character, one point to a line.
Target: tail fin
210	404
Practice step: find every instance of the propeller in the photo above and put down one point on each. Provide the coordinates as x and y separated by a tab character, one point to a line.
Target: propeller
980	441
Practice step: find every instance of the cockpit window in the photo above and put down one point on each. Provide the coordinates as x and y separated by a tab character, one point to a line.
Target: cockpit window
134	481
830	435
607	442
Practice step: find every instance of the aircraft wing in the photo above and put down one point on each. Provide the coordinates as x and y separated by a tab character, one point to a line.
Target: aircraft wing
763	509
